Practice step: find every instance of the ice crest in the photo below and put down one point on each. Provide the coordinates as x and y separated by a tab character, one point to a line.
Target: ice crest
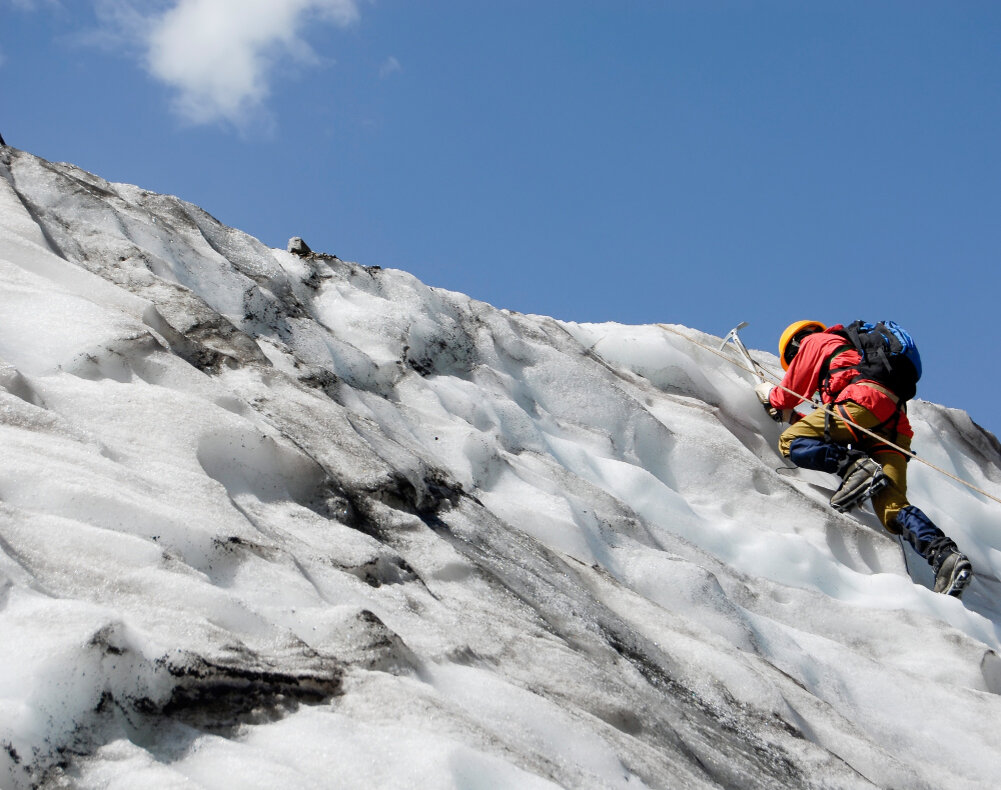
275	519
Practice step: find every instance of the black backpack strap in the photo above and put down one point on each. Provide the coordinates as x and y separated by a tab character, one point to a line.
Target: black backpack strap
825	374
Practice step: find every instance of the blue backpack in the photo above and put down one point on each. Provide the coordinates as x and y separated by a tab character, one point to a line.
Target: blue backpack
889	356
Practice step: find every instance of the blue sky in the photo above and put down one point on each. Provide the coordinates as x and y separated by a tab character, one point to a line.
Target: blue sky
702	162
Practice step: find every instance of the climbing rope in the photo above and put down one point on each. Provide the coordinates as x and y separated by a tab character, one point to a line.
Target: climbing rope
818	404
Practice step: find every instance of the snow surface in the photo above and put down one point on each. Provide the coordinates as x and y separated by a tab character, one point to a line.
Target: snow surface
270	521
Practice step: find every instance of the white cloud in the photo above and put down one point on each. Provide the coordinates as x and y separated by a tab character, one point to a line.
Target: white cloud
31	5
220	55
389	67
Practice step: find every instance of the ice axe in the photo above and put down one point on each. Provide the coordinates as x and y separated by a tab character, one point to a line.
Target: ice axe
733	337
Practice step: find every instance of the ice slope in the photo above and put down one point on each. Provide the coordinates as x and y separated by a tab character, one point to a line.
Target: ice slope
270	521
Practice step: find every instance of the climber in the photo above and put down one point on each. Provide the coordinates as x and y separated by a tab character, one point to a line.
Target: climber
860	392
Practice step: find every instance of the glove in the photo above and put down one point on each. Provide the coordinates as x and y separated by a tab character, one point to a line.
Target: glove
764	391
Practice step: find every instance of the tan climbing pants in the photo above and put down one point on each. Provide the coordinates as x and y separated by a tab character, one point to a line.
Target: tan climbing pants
892	499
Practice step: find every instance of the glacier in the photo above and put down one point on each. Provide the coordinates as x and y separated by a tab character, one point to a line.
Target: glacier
272	520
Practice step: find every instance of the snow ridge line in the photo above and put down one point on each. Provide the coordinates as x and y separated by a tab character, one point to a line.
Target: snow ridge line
818	404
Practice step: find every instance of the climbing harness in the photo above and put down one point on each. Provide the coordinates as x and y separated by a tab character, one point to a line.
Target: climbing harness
757	370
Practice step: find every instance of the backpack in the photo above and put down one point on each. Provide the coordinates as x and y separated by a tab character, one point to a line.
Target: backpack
889	356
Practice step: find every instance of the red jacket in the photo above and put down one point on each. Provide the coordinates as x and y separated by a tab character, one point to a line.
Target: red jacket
803	377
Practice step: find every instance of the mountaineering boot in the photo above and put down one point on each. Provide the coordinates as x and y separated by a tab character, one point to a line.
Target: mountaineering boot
953	571
861	478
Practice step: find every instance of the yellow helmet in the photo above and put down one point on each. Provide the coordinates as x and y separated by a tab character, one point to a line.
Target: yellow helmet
793	335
